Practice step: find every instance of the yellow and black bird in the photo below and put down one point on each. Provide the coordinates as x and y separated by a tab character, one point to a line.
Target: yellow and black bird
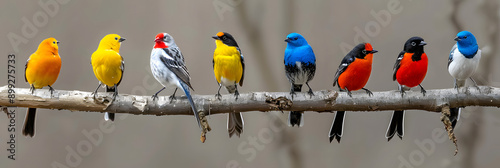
229	70
108	66
42	69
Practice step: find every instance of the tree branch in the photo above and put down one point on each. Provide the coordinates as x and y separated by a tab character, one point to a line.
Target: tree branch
323	101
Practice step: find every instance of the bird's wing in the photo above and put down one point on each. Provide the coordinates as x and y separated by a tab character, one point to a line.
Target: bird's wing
122	68
172	58
26	67
312	69
242	65
450	58
397	64
348	59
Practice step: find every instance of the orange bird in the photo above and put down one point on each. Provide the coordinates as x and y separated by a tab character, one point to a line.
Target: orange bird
409	70
42	69
353	73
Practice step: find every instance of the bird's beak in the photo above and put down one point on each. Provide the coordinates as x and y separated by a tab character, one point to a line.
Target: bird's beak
216	37
158	39
373	51
288	40
121	39
456	39
422	43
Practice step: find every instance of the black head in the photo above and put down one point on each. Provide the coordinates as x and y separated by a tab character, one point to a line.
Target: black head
226	38
415	44
362	49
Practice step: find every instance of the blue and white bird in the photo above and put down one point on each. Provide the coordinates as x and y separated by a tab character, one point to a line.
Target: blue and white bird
168	67
462	63
300	66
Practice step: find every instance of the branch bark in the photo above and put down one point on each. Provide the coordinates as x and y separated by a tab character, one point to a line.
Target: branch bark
323	101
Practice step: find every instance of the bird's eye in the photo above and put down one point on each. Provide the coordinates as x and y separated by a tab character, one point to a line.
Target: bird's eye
54	42
295	38
364	52
224	38
116	38
465	37
413	44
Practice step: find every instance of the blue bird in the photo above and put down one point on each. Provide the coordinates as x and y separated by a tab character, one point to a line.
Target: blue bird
300	66
462	63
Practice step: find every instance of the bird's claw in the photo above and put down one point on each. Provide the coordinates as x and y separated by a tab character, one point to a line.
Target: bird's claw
172	98
236	94
218	96
370	93
154	97
292	93
311	94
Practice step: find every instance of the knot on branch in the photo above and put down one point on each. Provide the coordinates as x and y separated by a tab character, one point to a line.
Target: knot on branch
281	103
204	126
445	118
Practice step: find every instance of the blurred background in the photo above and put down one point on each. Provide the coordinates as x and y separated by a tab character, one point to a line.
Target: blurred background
332	28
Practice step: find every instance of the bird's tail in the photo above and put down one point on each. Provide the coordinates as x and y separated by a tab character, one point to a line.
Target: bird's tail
454	116
455	112
337	126
29	123
396	125
296	117
109	116
235	121
185	88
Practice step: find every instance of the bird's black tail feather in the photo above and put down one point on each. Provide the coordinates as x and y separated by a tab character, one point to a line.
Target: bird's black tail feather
29	123
295	117
454	116
235	121
110	116
337	126
396	125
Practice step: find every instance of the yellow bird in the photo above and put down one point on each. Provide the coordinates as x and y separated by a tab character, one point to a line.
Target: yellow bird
108	66
229	67
42	69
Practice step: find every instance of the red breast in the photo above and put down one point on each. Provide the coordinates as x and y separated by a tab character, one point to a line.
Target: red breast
357	74
412	73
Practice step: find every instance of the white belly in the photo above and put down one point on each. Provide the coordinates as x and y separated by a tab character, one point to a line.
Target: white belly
302	76
226	82
462	68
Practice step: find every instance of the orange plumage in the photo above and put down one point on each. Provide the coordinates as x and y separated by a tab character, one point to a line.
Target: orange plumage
43	66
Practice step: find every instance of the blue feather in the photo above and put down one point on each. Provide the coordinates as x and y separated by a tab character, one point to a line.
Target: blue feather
185	88
298	50
467	44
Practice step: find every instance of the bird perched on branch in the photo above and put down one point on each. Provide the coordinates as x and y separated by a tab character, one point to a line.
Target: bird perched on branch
168	68
229	71
462	64
42	69
300	66
108	66
353	74
409	71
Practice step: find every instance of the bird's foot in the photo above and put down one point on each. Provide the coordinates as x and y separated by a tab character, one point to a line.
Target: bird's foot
218	96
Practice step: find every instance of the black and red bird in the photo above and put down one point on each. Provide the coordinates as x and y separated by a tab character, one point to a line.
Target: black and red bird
353	73
409	71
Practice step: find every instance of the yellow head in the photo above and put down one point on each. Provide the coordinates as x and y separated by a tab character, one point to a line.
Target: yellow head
49	44
111	41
